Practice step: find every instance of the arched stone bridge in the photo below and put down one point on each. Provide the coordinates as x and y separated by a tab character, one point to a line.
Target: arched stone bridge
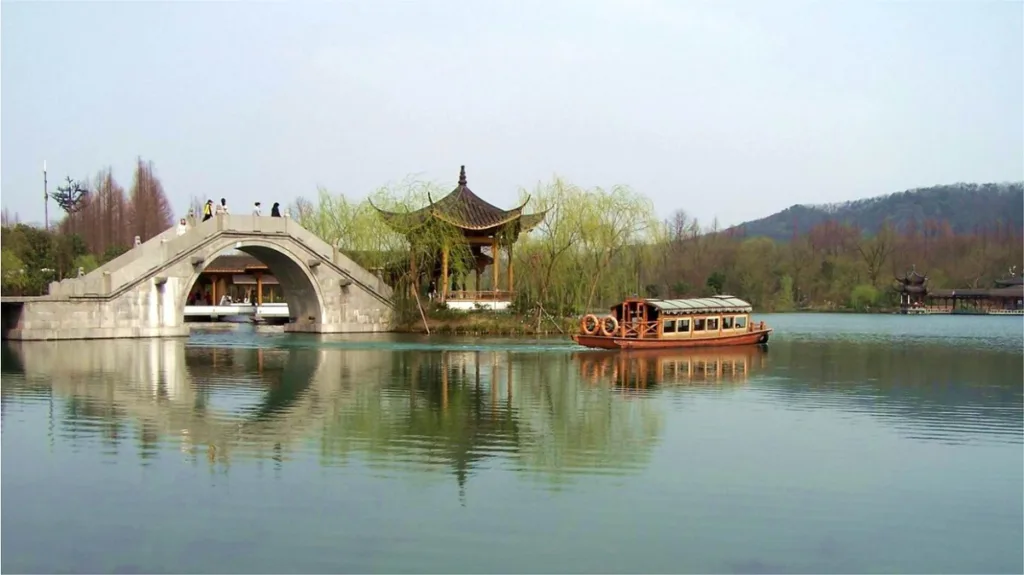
143	292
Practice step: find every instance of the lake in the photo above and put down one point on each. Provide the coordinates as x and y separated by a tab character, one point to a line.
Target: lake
851	444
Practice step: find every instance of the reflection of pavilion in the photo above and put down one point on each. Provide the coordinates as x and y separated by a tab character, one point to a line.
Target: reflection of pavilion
643	368
452	410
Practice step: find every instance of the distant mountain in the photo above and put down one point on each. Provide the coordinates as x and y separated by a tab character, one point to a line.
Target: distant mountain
967	208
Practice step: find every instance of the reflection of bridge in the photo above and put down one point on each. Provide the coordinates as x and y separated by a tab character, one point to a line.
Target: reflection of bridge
451	408
142	293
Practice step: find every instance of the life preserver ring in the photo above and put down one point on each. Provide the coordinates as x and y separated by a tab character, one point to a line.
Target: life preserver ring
589	324
609	325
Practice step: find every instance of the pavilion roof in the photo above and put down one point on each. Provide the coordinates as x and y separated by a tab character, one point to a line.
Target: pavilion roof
464	209
912	278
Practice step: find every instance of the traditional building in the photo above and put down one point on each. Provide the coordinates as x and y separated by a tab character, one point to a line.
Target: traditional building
481	227
912	289
1006	297
240	277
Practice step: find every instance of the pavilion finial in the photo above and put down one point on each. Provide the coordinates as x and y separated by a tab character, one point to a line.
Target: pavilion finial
462	176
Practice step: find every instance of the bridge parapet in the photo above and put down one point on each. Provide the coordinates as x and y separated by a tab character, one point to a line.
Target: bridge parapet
143	292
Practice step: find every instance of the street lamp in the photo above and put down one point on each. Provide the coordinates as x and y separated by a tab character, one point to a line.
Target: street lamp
46	200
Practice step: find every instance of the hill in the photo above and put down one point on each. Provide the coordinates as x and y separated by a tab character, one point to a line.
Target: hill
966	207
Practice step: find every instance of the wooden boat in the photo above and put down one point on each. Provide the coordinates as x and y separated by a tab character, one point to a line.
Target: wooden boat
639	323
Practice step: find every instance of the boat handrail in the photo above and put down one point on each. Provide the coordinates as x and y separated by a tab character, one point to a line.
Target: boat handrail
638	329
649	329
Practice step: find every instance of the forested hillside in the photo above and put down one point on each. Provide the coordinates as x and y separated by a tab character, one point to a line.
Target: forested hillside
967	208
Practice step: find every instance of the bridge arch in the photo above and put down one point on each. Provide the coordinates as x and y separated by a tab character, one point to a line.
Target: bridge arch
300	288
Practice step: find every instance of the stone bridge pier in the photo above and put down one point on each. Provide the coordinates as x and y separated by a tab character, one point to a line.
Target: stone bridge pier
143	292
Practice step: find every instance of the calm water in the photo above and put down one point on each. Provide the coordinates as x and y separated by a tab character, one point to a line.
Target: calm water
852	444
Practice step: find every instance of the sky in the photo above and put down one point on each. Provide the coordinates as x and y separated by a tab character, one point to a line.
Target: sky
728	109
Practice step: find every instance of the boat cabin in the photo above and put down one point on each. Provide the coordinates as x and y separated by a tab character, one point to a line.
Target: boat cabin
715	316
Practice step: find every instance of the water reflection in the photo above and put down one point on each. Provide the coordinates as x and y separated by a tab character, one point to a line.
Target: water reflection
820	455
647	368
448	409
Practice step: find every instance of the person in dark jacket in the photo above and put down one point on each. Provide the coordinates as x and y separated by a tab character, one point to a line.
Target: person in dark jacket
275	212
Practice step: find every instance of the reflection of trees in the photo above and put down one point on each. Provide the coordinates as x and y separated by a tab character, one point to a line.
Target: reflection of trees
931	385
570	428
428	409
449	409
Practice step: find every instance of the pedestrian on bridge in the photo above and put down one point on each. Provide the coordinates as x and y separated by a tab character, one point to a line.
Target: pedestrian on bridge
256	209
275	210
208	210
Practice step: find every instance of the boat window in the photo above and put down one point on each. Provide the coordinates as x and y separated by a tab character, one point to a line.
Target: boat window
712	324
698	324
727	322
670	326
683	326
741	321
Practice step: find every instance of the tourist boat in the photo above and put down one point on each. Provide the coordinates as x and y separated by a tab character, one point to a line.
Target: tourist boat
639	323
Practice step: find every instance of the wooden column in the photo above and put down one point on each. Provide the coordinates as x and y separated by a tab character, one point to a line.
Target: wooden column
444	273
476	282
510	277
494	266
259	288
213	290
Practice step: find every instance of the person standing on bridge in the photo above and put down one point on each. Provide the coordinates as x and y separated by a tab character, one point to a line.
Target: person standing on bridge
208	210
256	209
222	209
275	210
182	227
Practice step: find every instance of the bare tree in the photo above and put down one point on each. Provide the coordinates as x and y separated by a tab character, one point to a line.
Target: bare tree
876	251
150	211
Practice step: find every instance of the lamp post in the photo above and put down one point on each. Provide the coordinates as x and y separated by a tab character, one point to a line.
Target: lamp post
46	200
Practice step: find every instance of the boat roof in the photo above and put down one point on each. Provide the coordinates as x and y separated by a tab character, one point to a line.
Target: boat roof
718	303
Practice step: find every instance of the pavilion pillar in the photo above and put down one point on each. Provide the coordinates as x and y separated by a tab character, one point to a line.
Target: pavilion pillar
259	288
476	282
444	273
494	266
510	277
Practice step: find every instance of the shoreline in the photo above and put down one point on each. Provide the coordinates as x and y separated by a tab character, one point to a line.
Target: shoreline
506	325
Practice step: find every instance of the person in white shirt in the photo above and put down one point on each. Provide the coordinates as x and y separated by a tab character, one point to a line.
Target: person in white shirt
182	227
223	207
256	209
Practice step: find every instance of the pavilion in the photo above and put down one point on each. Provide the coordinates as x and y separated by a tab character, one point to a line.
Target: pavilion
481	227
912	289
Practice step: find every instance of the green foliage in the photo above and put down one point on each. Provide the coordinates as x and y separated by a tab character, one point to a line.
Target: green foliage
715	282
864	297
784	299
87	262
13	269
111	253
596	246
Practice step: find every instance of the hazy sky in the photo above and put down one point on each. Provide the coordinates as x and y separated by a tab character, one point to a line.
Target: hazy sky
727	109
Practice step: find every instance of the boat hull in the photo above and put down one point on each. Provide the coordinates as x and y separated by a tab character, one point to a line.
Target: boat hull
604	342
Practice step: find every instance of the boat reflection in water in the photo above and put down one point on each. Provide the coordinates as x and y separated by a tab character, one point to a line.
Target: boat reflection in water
680	367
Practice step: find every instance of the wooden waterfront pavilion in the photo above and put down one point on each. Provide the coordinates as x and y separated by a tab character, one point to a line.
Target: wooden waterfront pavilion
912	289
481	226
